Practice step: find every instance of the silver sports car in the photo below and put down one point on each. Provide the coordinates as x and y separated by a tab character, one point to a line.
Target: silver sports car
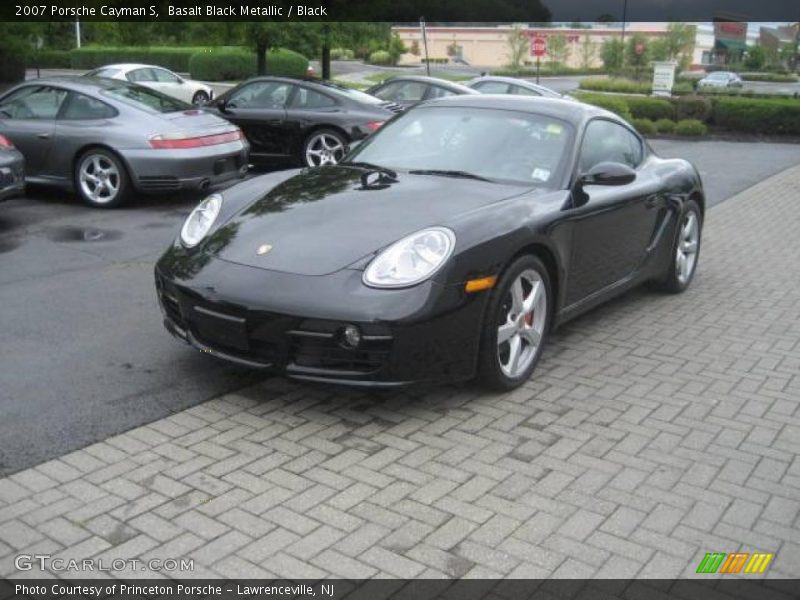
106	138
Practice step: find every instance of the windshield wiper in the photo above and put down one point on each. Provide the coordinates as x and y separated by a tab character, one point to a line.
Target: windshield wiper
446	173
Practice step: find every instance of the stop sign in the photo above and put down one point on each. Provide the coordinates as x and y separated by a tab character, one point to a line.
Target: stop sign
538	46
639	48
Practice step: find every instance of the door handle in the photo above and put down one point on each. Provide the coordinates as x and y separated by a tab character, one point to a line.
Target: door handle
43	136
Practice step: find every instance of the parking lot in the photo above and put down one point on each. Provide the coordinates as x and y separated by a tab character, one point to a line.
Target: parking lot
655	430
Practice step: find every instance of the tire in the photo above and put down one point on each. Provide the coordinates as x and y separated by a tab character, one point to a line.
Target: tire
323	147
101	179
200	98
685	247
495	363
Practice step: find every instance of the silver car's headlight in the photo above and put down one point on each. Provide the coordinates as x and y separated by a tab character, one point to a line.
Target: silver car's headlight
199	222
412	259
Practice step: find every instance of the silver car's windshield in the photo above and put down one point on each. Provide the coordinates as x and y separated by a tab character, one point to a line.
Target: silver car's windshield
145	99
501	145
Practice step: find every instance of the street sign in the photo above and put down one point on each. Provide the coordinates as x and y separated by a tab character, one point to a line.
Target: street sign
538	46
639	48
663	78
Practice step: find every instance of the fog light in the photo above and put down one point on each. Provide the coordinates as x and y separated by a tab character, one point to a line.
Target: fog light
351	336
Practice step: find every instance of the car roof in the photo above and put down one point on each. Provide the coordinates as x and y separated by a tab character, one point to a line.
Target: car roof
77	83
513	81
566	110
432	80
128	67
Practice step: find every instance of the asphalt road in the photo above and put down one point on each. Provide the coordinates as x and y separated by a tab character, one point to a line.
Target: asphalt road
84	354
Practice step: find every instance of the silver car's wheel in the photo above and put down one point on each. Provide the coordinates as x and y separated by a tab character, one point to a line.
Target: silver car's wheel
200	99
521	332
688	245
100	179
324	148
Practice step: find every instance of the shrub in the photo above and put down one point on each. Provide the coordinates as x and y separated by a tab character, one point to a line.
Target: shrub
690	127
615	104
50	59
342	54
666	125
623	86
650	108
693	107
758	115
380	57
644	126
233	63
774	77
91	57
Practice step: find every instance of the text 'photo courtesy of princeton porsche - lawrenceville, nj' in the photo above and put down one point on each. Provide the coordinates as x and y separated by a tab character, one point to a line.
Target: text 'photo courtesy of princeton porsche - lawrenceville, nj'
370	300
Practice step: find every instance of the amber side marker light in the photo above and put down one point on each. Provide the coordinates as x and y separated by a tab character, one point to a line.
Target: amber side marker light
477	285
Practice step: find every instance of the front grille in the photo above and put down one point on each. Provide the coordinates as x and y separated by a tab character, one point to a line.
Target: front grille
326	352
167	183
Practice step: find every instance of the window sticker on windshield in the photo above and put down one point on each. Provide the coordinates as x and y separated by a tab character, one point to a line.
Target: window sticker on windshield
540	174
554	129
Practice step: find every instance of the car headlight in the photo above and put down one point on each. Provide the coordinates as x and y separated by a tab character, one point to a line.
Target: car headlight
412	259
200	220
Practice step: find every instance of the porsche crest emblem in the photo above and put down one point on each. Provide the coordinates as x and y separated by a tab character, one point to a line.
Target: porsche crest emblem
263	249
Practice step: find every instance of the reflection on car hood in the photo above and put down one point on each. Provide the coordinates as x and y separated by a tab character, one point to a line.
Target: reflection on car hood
325	219
197	119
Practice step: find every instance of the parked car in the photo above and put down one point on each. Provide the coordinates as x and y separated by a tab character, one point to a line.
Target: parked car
511	85
299	120
12	170
445	246
159	79
106	138
721	79
408	90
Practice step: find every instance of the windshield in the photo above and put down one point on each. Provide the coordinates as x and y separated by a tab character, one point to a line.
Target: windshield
500	145
145	99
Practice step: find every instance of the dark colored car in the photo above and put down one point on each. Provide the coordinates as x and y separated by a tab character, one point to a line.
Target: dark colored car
511	85
408	90
445	246
305	121
106	139
12	170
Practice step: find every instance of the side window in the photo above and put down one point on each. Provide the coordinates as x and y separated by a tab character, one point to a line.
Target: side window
491	87
261	94
608	141
439	92
308	99
141	75
521	91
389	91
164	76
402	91
33	102
81	107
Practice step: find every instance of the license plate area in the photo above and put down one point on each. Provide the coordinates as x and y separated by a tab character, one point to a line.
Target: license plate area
220	329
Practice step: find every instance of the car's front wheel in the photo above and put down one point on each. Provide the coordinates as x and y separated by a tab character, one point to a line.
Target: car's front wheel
685	251
324	147
516	325
101	179
200	98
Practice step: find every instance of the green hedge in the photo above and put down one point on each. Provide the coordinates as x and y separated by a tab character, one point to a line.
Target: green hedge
91	57
665	125
644	126
380	57
342	54
622	86
643	107
232	64
774	77
692	107
50	59
615	104
757	115
690	127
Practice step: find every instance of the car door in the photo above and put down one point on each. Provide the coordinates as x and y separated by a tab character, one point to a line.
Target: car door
259	109
307	108
28	119
170	84
612	226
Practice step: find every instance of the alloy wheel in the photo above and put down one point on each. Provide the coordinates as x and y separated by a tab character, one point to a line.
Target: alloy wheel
688	244
523	316
324	149
99	178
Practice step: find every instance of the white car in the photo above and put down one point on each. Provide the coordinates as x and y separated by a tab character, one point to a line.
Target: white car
722	79
159	79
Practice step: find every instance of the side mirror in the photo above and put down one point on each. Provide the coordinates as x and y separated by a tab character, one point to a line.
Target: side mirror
608	173
222	105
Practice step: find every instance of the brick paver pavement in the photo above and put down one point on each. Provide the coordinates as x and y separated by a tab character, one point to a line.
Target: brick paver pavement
656	429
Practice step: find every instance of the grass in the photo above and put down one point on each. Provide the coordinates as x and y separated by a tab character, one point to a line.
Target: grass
379	76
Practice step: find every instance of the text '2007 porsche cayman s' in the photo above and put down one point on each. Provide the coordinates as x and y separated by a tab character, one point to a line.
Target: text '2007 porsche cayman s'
445	247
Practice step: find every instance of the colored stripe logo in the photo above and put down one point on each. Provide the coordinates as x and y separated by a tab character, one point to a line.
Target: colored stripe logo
735	562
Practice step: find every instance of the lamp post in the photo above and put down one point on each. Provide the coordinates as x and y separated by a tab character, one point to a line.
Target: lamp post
425	43
624	20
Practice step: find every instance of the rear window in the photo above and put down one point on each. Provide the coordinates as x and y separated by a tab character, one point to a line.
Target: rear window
358	95
145	99
104	72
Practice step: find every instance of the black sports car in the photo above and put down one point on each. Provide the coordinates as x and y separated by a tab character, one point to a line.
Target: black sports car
308	122
12	169
445	246
408	90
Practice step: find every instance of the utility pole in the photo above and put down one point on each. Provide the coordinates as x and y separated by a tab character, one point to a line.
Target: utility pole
624	20
425	43
78	32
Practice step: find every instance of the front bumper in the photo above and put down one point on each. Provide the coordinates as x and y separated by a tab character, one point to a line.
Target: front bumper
159	171
293	324
12	179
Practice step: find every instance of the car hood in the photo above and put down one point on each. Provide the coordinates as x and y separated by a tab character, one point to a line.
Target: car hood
325	219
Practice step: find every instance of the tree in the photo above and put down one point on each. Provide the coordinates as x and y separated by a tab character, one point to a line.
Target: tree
755	57
263	35
396	48
611	53
558	48
587	51
518	47
634	58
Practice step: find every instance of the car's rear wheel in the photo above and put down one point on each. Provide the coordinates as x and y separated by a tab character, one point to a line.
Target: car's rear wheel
685	251
101	179
324	147
200	98
516	325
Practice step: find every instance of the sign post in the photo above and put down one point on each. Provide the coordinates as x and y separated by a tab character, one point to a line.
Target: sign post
425	43
663	78
538	49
